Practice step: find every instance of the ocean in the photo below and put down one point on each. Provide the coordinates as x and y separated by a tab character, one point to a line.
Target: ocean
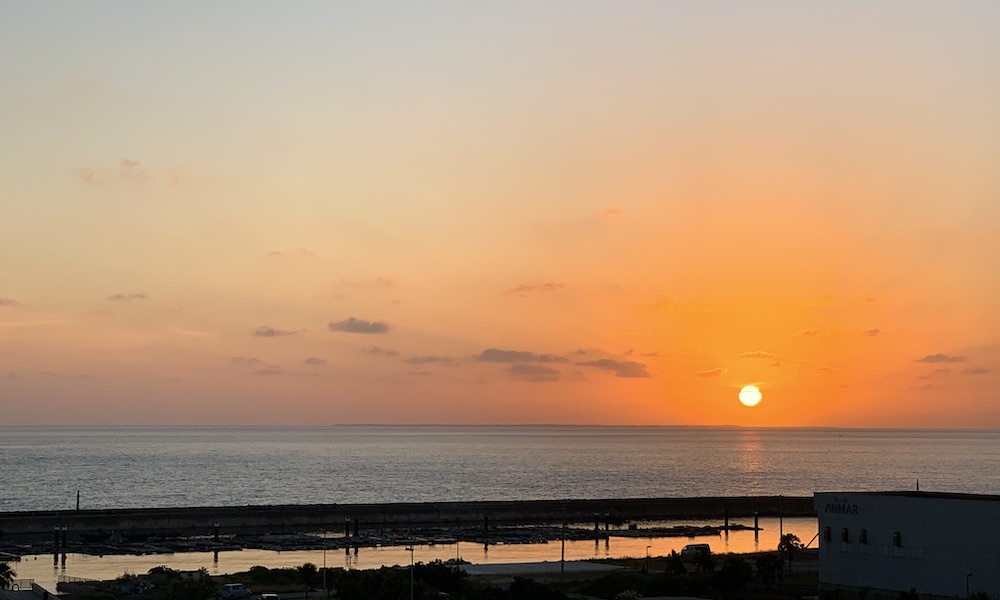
45	467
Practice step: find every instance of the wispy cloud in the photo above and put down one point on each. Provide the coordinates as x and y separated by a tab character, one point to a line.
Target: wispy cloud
128	297
777	363
975	371
246	361
269	370
873	332
825	369
132	170
353	325
621	368
936	373
9	302
269	331
534	373
527	288
816	302
378	351
806	333
756	354
716	372
314	361
669	305
296	252
940	358
430	360
517	356
377	282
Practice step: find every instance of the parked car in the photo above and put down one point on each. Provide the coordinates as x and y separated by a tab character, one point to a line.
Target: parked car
235	590
693	550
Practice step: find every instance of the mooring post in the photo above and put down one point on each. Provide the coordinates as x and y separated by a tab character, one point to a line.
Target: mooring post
597	521
486	523
55	541
357	525
63	531
347	527
726	526
607	521
216	532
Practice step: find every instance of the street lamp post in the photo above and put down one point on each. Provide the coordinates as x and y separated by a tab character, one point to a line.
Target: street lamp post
326	590
410	550
967	584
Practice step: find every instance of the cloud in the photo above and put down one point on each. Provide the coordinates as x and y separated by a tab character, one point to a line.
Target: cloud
312	360
824	369
128	297
430	360
131	169
526	288
376	350
942	372
378	282
777	363
612	213
621	368
268	331
535	373
296	252
873	332
246	361
10	302
869	300
716	372
807	332
975	371
940	358
269	370
815	302
517	356
353	325
668	305
756	354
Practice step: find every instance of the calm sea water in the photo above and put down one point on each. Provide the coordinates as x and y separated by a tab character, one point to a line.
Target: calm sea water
42	468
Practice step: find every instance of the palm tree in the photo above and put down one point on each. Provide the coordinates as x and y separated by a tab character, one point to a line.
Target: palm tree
6	576
788	546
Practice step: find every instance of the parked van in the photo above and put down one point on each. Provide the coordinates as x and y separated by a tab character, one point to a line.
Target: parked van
693	550
235	590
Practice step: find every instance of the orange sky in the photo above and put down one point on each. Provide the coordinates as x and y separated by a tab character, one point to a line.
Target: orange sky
574	213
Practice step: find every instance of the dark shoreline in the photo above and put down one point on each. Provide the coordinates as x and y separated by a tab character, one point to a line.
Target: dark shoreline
337	518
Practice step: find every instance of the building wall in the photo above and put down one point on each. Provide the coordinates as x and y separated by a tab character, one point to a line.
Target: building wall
941	538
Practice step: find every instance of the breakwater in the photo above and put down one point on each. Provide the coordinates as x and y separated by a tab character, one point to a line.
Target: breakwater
352	519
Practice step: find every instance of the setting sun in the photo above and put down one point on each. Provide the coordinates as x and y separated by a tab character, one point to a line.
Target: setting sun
750	396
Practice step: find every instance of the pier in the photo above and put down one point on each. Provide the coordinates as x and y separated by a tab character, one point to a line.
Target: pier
353	519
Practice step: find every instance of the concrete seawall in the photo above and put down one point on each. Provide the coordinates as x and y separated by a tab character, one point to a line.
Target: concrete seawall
202	521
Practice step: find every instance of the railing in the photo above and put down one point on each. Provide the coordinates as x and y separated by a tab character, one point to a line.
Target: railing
68	579
21	584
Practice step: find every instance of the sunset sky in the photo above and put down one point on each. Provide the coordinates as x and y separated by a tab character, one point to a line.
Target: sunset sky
491	212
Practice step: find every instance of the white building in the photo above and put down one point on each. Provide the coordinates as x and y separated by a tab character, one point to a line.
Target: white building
890	542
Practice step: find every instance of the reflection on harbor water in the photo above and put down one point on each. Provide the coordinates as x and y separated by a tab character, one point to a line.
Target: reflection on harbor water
42	569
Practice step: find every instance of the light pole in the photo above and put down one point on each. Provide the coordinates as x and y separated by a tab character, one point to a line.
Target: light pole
647	558
967	584
410	550
326	590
